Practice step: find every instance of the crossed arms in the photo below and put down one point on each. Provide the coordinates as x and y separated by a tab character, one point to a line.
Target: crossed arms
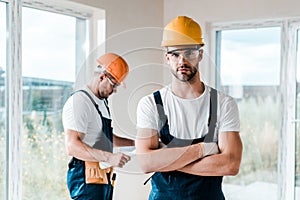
188	159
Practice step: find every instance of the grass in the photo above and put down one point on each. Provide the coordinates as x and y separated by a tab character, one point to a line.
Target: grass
259	133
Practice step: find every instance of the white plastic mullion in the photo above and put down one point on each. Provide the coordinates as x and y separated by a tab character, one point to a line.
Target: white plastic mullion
14	103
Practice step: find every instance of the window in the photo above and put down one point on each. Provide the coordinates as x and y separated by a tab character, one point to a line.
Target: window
250	71
256	62
250	56
48	71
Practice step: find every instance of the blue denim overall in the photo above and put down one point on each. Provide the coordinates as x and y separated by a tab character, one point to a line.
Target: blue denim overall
76	174
175	185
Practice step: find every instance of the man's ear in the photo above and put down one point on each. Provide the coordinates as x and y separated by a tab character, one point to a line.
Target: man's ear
101	76
167	58
200	55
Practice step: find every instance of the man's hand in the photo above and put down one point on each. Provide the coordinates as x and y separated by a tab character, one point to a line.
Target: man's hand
225	163
118	159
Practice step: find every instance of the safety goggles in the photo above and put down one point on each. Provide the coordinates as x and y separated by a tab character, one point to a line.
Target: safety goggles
186	53
113	84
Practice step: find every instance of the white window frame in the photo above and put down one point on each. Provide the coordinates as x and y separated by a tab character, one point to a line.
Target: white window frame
287	132
13	159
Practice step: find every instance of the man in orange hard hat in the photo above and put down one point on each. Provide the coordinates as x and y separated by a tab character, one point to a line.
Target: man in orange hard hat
89	135
188	132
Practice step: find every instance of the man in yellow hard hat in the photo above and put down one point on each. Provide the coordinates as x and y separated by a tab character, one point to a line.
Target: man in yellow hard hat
188	132
89	135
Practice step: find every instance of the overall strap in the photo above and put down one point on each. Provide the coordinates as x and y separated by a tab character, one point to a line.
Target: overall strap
106	105
165	135
106	123
93	101
212	120
213	109
160	107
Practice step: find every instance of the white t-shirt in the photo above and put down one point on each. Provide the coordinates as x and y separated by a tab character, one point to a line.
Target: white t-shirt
79	114
188	118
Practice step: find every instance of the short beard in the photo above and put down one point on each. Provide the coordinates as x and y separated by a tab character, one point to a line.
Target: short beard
185	77
103	96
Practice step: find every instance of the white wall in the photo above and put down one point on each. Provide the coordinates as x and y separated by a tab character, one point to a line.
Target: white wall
133	30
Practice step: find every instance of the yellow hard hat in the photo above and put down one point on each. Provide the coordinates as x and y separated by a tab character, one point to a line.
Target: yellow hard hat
182	31
115	65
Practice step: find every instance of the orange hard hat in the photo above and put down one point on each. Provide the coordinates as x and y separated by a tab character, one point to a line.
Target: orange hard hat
182	31
115	65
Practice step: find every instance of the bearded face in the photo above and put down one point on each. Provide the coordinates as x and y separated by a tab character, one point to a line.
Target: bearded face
184	61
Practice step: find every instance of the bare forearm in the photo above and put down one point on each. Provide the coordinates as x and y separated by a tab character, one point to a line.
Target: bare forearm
225	163
120	141
168	159
76	148
215	165
152	158
84	152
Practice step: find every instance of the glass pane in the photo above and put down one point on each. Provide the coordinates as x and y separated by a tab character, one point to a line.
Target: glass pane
48	67
250	72
297	178
2	95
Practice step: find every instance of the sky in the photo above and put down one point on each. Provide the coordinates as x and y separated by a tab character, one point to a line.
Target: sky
48	44
250	57
48	41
